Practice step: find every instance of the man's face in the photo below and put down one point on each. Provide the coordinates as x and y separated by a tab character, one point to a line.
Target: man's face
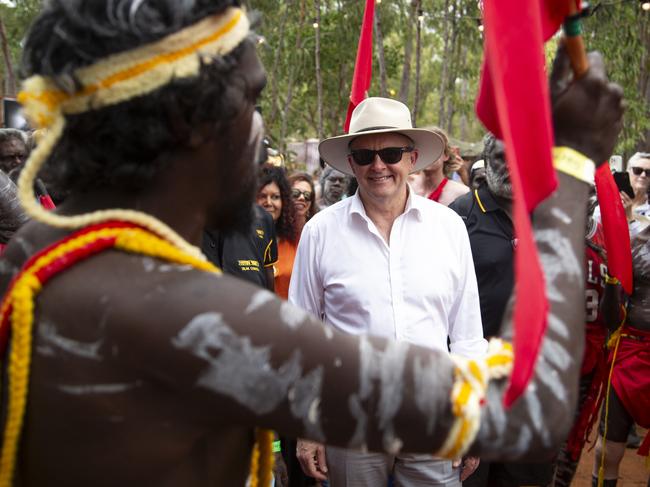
496	173
640	182
335	185
12	154
378	180
238	144
477	177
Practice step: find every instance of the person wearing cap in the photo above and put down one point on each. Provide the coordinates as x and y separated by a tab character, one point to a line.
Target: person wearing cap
477	174
487	213
364	266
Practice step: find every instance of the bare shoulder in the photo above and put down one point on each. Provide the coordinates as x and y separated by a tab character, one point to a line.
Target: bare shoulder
452	190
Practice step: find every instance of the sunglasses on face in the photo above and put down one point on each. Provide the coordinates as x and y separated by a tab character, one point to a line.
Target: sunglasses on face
296	193
638	170
390	155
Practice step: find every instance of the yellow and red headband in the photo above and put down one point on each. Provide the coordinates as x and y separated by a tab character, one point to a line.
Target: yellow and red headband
115	79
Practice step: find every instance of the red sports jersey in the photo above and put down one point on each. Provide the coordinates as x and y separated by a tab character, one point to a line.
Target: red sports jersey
596	269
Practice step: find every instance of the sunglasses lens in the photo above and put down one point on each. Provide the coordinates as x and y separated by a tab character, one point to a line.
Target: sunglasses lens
363	157
296	193
390	155
639	170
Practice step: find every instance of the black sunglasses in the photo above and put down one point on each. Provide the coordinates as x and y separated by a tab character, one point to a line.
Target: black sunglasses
305	194
390	155
638	170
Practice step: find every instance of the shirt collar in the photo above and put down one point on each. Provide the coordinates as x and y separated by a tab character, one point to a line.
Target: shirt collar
414	204
486	200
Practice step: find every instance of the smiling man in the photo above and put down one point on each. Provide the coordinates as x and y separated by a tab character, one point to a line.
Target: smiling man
389	263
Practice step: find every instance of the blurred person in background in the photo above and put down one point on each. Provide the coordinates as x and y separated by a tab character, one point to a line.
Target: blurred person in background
477	174
436	184
334	186
303	193
12	215
13	149
274	195
637	209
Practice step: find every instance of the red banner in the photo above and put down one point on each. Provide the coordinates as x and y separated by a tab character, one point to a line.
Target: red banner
363	66
514	104
617	236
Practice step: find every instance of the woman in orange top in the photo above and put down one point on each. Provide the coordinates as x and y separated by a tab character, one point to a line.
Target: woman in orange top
274	196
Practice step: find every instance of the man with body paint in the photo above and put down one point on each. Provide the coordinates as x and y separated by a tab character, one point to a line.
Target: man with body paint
487	214
628	400
387	262
137	364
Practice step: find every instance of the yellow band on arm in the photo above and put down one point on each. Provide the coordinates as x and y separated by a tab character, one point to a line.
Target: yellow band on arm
574	164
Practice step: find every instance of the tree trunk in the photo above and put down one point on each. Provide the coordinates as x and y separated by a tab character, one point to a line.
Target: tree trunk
319	78
453	64
291	79
383	90
405	85
276	63
11	79
643	144
442	95
418	53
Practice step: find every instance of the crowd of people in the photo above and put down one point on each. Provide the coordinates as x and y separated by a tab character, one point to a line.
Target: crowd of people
160	354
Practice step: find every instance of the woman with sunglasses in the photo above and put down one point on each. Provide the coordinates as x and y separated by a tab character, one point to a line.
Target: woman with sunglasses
304	201
637	209
274	195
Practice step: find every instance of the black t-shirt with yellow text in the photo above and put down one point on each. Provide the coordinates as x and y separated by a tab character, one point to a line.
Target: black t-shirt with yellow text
244	255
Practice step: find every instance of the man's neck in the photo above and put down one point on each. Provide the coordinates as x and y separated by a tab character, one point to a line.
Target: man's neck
384	212
330	202
504	203
187	222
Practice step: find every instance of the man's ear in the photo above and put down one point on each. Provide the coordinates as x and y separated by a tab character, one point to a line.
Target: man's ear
414	156
351	164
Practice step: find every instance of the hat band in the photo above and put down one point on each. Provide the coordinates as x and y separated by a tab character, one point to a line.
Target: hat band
378	128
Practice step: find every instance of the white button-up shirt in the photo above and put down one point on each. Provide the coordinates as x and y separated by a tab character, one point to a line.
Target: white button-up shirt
420	289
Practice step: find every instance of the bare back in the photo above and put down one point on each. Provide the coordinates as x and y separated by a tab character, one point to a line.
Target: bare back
639	304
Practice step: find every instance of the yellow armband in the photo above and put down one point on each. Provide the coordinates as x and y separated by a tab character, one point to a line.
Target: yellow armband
574	164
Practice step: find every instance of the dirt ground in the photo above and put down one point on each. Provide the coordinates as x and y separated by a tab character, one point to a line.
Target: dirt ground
633	472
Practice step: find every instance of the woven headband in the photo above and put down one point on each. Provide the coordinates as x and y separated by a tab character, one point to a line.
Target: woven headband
115	79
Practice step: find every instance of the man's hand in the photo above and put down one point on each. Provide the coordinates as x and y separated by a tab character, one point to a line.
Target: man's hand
587	112
467	466
311	456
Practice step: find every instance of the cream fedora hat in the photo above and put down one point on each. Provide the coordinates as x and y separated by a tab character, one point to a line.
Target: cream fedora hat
376	116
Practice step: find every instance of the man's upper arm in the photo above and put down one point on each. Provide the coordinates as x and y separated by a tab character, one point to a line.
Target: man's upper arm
465	326
306	286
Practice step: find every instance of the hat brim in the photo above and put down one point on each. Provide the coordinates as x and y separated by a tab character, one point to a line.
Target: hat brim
334	151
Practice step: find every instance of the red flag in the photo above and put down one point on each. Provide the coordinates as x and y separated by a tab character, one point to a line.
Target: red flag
363	66
514	104
617	236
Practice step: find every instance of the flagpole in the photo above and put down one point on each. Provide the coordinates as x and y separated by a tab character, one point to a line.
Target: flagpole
573	40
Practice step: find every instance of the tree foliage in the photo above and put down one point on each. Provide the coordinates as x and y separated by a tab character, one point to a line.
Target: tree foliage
451	53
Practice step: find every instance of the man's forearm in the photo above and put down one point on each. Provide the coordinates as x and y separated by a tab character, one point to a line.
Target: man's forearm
528	429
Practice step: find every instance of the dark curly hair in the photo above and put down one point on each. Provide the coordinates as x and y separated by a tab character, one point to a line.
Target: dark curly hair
303	176
285	227
122	145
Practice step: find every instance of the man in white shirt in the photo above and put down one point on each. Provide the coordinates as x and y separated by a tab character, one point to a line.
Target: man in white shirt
390	263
